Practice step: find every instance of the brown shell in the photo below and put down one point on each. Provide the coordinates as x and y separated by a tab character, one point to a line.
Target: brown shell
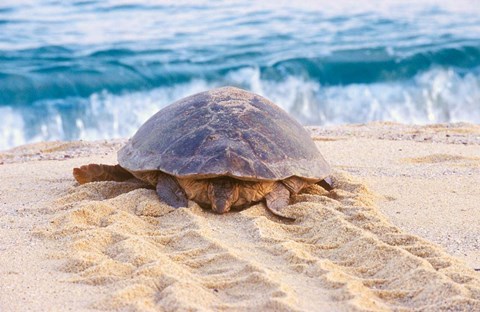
224	132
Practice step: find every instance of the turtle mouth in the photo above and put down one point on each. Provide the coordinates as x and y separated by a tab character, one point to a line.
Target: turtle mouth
221	206
222	193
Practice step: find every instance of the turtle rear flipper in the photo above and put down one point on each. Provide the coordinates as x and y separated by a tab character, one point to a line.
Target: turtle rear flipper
99	172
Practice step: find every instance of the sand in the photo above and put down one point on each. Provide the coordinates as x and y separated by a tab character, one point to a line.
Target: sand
401	231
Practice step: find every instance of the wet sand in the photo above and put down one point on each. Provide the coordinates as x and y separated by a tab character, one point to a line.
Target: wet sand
400	231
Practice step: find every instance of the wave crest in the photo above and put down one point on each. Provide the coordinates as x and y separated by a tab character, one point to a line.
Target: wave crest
437	95
60	73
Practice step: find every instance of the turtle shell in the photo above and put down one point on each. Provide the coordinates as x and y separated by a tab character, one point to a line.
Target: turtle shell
224	132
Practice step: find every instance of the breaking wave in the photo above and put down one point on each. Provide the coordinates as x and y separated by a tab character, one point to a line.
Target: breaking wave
433	96
98	69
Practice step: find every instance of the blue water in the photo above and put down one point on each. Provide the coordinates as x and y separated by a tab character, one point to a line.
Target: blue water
96	69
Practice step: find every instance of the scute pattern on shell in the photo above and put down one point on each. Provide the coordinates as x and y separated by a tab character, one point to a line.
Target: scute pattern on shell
225	131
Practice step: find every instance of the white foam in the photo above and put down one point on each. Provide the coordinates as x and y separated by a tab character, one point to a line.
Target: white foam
435	96
11	128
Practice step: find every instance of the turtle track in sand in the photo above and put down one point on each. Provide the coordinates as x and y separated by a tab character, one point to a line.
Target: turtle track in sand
339	254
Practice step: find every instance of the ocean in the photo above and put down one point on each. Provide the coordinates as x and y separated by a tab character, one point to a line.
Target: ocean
97	69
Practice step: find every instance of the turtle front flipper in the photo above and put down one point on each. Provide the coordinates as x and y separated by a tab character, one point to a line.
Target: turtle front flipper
99	172
170	192
295	184
278	199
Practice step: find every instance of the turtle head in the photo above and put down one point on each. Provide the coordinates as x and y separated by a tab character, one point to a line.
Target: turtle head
222	193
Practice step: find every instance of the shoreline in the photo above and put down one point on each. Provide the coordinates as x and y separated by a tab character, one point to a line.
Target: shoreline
421	181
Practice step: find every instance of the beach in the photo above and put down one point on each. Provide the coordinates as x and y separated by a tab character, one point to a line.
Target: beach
400	231
389	92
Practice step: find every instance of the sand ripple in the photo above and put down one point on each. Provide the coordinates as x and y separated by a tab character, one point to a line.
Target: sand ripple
340	253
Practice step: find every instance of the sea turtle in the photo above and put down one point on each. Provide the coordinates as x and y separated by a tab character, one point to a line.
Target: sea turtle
221	148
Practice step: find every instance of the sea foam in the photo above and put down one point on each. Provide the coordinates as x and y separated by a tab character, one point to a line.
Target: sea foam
434	96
